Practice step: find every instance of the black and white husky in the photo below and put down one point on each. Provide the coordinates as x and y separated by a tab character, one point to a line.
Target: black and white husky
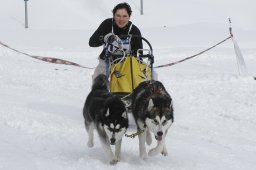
107	114
153	113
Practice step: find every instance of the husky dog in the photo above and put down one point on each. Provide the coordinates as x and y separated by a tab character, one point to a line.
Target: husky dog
153	112
107	114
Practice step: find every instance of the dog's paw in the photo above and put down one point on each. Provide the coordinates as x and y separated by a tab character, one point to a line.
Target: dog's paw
114	161
164	153
117	158
153	152
90	144
144	156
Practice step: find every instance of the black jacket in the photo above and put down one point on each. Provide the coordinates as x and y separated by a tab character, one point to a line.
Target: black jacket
97	39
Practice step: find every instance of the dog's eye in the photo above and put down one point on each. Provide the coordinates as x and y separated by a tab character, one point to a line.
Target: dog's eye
110	129
118	130
155	122
164	122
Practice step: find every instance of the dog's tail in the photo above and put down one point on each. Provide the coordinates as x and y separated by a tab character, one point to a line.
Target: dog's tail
100	82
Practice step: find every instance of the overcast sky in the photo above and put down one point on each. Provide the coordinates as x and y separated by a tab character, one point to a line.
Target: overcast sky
161	12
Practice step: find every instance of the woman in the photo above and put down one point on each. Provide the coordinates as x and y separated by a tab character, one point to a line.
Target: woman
120	24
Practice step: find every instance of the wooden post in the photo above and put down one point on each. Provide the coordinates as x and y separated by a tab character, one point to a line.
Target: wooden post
141	7
26	14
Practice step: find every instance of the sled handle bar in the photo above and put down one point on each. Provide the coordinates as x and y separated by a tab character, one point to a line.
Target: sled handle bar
137	36
150	56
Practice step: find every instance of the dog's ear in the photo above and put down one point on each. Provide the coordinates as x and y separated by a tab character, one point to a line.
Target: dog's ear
124	115
150	104
126	103
107	113
169	100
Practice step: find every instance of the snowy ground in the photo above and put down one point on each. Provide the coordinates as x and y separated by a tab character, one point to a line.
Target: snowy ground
41	123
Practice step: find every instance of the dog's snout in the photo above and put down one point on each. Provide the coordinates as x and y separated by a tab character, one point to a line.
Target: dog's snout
159	133
112	140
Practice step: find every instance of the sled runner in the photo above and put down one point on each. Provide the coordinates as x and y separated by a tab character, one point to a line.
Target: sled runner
126	71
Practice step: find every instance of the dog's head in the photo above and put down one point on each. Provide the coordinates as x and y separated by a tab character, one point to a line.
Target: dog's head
115	120
159	116
100	82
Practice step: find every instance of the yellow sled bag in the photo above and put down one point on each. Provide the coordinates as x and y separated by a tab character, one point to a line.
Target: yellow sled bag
127	74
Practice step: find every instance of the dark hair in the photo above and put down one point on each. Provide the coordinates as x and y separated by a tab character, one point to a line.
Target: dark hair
123	5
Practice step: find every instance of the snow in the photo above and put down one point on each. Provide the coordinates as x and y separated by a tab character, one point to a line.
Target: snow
41	122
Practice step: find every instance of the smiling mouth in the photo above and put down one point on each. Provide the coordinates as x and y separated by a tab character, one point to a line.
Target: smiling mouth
121	23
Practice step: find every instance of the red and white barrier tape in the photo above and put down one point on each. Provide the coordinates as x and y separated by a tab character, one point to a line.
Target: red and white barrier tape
47	59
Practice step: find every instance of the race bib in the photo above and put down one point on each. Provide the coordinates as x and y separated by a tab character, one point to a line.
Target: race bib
126	44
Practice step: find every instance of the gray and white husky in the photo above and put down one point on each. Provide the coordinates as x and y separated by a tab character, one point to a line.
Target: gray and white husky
153	113
107	114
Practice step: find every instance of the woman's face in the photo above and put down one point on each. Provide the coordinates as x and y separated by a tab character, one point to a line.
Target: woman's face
121	18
